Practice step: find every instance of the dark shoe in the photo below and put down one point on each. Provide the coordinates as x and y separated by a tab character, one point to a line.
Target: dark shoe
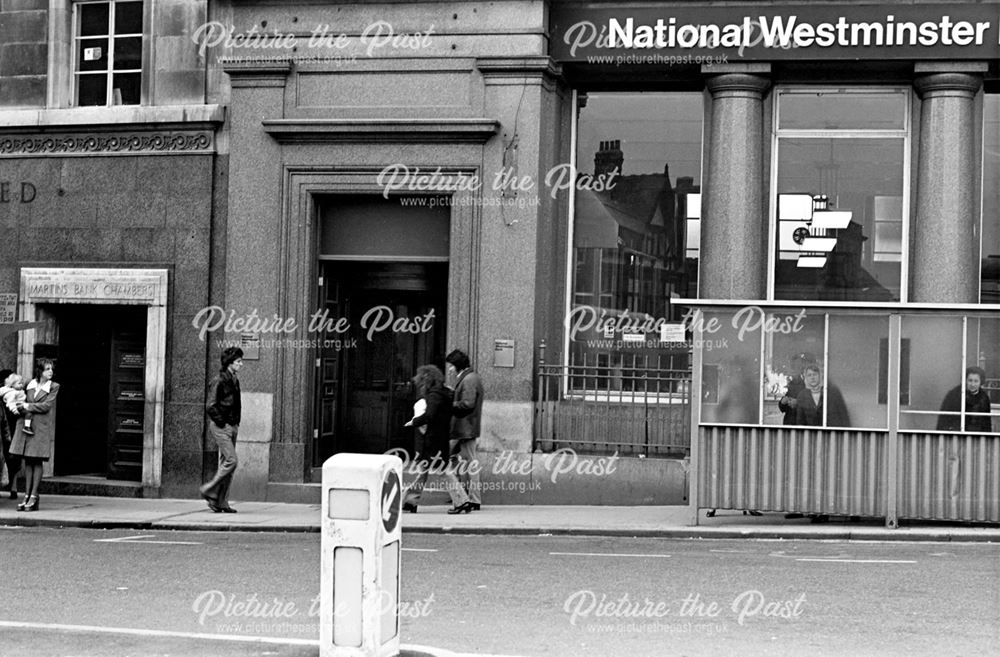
409	508
212	502
464	508
23	504
710	513
32	504
226	509
475	506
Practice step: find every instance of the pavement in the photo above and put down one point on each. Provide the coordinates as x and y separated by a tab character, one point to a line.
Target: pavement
642	521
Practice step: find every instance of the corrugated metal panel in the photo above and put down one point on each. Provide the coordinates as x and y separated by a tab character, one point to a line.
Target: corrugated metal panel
793	470
949	477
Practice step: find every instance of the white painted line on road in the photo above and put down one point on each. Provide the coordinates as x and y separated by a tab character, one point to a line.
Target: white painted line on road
419	550
141	539
856	560
153	633
733	551
798	557
607	554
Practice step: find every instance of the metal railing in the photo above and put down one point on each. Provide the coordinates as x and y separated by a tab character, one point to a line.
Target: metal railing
633	404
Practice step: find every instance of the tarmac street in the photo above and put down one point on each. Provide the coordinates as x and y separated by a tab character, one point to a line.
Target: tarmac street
152	592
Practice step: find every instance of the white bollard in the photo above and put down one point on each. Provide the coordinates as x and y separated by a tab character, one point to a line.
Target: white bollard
361	546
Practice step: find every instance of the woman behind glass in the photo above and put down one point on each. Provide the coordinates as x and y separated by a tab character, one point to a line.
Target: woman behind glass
36	447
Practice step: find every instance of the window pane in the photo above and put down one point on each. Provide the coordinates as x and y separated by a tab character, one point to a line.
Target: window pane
982	387
125	90
837	109
128	53
859	260
991	200
128	18
935	369
639	157
92	18
92	54
785	356
92	89
730	371
855	347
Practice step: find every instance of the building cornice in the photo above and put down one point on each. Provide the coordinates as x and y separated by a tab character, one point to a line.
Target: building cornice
300	131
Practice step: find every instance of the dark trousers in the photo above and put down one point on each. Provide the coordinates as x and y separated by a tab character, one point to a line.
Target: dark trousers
13	464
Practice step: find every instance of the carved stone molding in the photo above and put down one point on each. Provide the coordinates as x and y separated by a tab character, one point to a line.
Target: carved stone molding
316	131
117	143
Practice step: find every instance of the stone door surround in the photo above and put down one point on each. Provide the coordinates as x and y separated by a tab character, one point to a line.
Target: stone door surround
136	287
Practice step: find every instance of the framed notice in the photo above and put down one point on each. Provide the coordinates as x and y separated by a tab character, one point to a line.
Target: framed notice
672	333
8	307
131	360
503	353
250	344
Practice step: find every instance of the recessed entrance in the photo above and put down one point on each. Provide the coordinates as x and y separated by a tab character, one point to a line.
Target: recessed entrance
99	351
108	328
396	312
383	272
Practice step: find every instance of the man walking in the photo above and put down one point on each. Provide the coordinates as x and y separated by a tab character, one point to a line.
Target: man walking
224	412
467	411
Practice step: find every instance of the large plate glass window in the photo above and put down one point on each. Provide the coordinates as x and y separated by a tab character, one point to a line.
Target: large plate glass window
952	382
635	227
107	52
840	194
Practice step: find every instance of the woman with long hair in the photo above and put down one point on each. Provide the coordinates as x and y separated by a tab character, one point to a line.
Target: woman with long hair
433	445
35	445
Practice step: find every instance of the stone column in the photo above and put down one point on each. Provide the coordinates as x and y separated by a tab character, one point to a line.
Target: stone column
734	225
944	237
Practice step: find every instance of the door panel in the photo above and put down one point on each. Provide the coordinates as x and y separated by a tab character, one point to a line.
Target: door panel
127	404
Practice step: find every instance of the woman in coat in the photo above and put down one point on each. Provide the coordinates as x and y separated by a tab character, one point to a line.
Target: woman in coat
35	447
977	400
432	445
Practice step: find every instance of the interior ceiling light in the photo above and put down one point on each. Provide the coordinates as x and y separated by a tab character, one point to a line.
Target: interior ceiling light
831	219
819	244
811	262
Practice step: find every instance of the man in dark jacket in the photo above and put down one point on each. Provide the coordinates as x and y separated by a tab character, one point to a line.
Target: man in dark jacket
977	400
224	412
467	411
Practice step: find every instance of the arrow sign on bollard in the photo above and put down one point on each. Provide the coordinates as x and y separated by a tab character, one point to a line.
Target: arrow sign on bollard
391	501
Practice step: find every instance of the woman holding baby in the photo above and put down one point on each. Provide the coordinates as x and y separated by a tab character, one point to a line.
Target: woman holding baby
33	443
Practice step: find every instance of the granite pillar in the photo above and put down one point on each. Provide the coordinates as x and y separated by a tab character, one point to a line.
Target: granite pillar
944	238
734	225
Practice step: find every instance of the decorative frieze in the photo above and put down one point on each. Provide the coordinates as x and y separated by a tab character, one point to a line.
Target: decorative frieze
120	143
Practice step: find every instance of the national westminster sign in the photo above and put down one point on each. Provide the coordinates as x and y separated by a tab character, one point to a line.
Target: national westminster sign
603	33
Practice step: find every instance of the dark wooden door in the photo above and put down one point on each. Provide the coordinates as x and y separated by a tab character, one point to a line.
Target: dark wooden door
328	372
364	392
126	403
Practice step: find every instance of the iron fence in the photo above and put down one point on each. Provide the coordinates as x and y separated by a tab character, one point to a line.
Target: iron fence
633	404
